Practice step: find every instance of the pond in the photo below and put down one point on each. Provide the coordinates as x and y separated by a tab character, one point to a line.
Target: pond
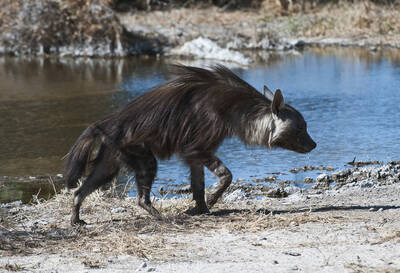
349	98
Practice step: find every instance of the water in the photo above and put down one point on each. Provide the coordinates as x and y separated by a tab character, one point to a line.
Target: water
349	97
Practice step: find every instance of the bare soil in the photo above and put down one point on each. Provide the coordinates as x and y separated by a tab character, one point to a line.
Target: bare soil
352	229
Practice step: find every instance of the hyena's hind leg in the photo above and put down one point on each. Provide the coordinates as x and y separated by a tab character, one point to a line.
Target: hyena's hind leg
215	165
141	159
105	168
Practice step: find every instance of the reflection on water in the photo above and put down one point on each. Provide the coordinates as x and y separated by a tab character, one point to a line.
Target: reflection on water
349	98
46	103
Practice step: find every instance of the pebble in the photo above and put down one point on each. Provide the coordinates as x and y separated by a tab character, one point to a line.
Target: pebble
143	265
322	177
11	204
118	210
238	194
308	180
295	254
366	184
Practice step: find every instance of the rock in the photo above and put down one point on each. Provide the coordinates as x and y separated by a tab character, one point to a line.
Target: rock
338	176
118	210
161	190
204	48
308	180
11	204
366	184
295	254
277	193
322	181
270	179
238	194
323	178
142	266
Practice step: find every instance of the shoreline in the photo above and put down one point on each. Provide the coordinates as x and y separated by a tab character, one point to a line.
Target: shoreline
273	185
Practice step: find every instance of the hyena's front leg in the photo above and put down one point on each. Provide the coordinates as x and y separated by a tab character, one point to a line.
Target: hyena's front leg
197	185
215	165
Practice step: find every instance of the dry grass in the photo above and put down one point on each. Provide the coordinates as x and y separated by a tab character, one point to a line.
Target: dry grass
394	236
44	227
359	20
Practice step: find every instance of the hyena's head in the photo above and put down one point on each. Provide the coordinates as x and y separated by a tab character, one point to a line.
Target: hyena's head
288	128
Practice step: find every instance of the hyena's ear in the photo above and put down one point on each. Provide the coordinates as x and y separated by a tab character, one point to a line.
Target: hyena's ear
278	102
268	93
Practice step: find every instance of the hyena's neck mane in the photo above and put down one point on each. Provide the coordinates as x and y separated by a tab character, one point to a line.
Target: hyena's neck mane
247	111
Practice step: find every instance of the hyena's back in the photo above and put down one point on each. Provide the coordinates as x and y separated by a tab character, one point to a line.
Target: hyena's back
191	113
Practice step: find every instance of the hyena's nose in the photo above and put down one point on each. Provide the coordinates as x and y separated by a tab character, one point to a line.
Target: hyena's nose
313	145
310	145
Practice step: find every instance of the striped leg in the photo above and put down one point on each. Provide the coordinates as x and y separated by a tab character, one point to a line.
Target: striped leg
105	168
215	165
144	164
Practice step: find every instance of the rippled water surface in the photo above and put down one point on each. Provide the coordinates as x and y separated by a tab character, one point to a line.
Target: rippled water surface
350	99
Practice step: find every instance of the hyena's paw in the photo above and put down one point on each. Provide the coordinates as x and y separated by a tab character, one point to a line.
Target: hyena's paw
78	222
197	210
212	199
151	210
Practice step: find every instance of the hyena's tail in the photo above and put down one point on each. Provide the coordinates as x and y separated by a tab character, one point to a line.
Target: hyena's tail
79	156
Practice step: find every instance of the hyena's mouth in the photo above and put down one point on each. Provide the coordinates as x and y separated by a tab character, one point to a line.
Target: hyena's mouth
307	149
300	148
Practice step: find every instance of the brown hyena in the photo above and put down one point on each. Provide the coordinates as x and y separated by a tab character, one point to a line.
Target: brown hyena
190	116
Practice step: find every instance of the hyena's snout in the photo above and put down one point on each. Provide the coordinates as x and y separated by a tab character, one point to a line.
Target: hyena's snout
305	143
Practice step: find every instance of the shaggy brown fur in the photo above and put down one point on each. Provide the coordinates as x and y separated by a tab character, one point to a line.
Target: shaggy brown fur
189	116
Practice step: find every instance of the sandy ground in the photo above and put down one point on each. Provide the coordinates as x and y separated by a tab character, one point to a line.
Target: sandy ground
350	229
